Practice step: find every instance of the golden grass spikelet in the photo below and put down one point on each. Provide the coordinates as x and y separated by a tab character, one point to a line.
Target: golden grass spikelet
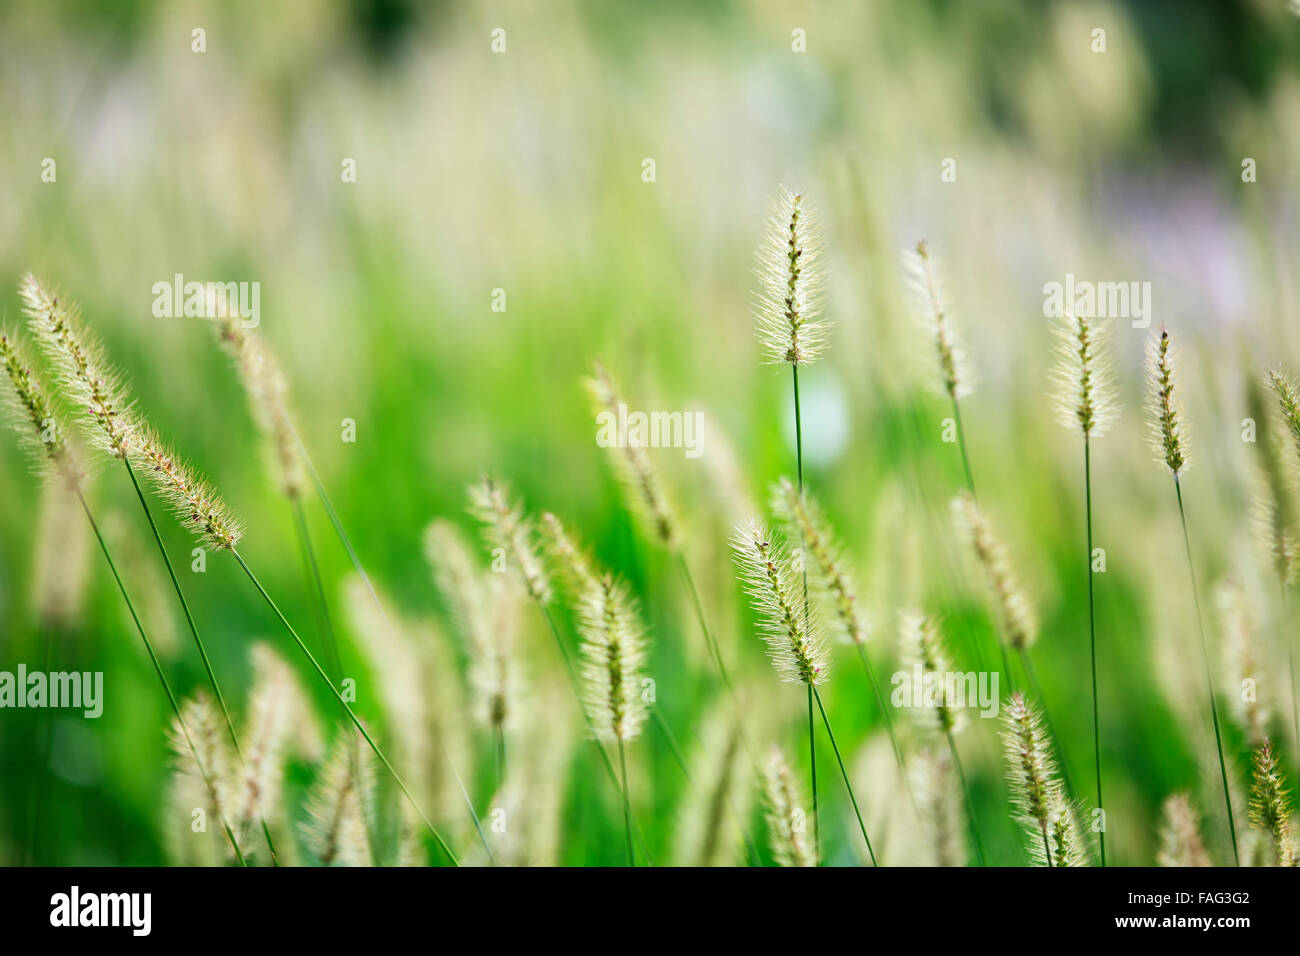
34	418
929	302
707	827
1016	616
93	387
923	651
784	807
338	805
1168	421
510	532
613	654
1270	804
267	388
190	498
794	643
642	492
788	306
1180	834
801	517
1084	377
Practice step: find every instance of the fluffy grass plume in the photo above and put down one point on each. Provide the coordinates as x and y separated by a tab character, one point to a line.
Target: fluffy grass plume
484	611
929	302
800	515
794	643
922	646
338	804
1168	422
576	569
1180	834
33	415
203	760
1241	666
93	388
642	491
1274	511
267	388
506	527
708	825
1270	805
280	720
937	790
787	828
1016	616
613	655
1037	794
788	307
1084	377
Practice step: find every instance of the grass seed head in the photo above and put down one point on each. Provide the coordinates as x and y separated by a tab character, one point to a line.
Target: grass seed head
508	530
788	265
1270	804
1180	834
191	499
34	418
613	655
1084	376
1019	628
794	643
786	813
922	647
929	302
1168	421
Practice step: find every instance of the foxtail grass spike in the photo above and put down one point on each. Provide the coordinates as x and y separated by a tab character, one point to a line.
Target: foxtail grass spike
505	526
34	419
787	826
1168	422
335	831
1037	794
1180	834
929	301
1016	616
788	307
613	654
1084	375
1270	805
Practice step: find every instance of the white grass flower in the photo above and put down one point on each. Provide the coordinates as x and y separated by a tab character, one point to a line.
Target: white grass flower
788	266
1168	421
794	643
613	655
1084	375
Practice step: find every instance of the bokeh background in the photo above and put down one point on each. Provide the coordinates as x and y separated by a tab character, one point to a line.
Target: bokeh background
522	171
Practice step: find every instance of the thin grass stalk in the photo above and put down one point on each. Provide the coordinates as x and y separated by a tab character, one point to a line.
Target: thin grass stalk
162	677
627	802
198	641
397	778
812	740
1092	641
28	850
844	773
1209	677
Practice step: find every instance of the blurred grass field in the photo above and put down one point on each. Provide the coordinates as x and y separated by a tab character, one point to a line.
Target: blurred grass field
522	171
